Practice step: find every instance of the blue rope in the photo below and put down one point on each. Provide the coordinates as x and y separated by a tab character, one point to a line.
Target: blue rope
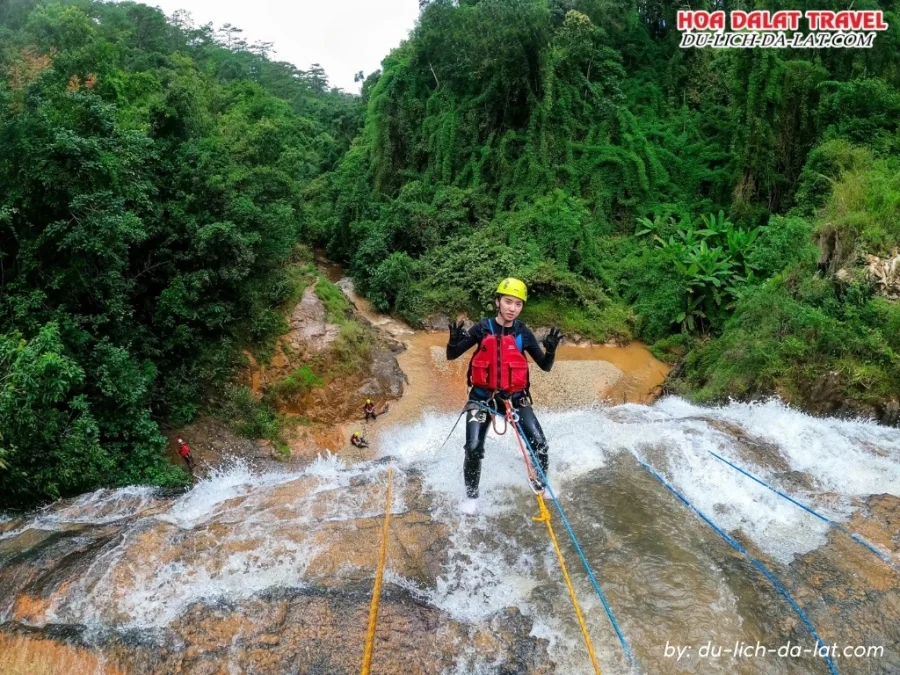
587	567
737	546
853	536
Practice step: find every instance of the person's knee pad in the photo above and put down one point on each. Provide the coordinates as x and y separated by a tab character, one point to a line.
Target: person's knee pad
477	415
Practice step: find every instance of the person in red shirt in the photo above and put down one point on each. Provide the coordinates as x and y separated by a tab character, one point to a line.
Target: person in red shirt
370	410
185	451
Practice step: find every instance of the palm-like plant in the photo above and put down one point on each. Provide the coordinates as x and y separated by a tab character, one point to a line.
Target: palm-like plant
712	259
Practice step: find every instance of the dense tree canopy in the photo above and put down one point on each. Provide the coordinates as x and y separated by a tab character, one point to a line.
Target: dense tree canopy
151	192
641	189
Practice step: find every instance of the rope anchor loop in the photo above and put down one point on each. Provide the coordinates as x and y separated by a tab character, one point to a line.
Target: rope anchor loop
544	516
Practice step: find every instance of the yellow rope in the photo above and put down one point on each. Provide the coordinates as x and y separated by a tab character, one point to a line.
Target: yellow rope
376	592
545	518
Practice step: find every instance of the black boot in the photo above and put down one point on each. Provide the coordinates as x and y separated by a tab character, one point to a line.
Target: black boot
472	473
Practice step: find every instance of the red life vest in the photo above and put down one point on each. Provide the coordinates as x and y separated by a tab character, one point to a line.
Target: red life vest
499	364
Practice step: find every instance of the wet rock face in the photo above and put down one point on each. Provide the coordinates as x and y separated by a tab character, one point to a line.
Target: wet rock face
23	654
313	632
303	632
313	341
310	333
161	589
860	592
272	573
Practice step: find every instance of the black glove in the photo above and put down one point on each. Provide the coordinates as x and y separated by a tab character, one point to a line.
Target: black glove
552	340
457	333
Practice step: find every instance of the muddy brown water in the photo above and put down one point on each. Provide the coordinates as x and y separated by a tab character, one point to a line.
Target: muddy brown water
581	376
270	571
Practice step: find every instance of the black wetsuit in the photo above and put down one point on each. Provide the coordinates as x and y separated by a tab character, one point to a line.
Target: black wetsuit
478	420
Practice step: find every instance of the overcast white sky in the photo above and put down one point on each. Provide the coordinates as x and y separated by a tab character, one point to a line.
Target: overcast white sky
344	36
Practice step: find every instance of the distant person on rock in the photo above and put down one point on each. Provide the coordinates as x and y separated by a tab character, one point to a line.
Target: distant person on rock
498	370
370	410
185	451
358	440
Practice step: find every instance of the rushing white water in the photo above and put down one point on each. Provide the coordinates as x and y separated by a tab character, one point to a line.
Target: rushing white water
244	545
94	508
837	455
243	541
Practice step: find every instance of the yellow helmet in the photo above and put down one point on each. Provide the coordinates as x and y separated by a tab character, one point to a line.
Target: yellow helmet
513	287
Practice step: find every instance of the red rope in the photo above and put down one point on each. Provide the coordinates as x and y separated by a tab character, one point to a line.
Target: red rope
511	418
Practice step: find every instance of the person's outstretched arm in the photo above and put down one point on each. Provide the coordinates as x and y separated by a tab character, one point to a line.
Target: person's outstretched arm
531	346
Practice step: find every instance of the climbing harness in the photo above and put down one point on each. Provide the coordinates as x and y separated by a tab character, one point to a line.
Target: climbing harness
738	547
471	405
534	465
376	591
855	537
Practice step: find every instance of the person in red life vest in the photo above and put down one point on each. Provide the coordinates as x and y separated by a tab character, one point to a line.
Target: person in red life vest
185	451
370	410
499	369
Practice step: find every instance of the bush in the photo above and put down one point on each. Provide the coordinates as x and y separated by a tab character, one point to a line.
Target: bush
784	242
673	348
787	333
298	383
56	442
351	353
864	207
248	416
824	165
714	262
390	279
337	307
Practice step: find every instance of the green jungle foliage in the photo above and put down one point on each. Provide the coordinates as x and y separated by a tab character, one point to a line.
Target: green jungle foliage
151	200
159	183
641	190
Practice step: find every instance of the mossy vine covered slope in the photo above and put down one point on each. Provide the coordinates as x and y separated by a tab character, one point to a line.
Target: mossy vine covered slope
689	198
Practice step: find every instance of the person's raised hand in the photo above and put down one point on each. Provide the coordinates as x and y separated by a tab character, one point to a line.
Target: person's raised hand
552	339
457	332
